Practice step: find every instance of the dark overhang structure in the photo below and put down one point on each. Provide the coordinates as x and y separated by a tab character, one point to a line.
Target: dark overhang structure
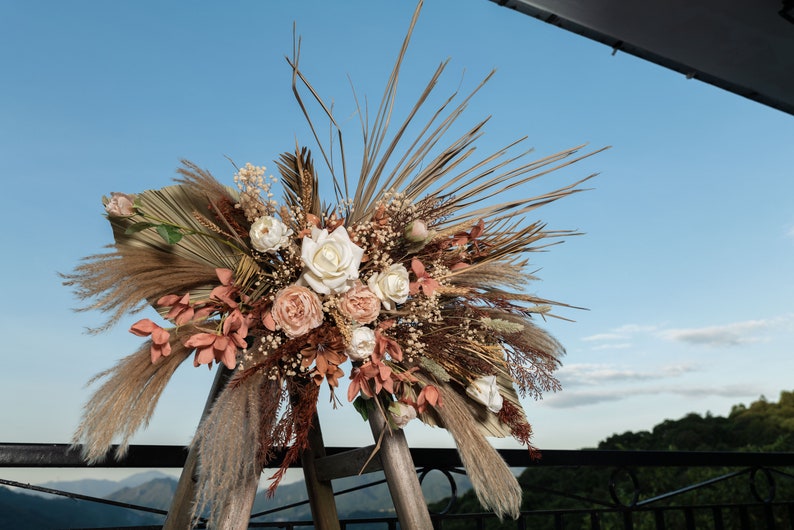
744	46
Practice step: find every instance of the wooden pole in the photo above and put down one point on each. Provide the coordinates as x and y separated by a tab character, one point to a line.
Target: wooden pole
321	493
179	513
398	467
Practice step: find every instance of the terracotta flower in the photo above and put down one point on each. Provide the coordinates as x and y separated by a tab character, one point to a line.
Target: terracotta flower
227	292
325	349
429	396
386	345
182	311
424	281
213	347
360	379
161	338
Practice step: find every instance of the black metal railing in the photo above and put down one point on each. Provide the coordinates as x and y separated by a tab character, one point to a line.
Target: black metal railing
618	489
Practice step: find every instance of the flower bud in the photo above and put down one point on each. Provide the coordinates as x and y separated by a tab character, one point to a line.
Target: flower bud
401	413
120	204
416	231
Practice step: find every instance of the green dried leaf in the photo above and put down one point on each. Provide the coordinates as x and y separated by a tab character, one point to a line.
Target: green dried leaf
360	404
137	227
169	233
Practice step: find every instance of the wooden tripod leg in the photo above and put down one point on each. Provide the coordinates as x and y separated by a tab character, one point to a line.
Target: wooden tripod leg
321	493
400	472
179	513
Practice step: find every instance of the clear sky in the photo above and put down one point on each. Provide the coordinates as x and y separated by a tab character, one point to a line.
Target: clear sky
685	265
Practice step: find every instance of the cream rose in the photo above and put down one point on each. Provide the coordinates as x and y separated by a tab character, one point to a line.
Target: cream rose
390	286
120	204
329	260
297	310
401	413
268	234
485	390
362	343
360	304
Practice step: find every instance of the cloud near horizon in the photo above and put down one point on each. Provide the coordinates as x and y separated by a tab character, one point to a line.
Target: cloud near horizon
584	374
572	399
733	334
725	335
619	338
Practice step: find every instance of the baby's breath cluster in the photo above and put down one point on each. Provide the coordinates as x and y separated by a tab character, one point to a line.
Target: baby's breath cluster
252	185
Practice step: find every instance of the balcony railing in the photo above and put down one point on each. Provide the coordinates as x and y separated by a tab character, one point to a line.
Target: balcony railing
625	501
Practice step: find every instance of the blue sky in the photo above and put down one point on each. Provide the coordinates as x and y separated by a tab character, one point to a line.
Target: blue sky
689	228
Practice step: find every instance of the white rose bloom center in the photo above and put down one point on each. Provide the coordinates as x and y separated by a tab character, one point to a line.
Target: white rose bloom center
391	285
330	260
362	343
268	234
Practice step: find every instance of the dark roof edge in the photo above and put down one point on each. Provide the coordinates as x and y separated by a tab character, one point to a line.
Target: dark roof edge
619	45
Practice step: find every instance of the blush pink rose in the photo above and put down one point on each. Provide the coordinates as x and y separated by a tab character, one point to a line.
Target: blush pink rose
120	204
297	310
360	304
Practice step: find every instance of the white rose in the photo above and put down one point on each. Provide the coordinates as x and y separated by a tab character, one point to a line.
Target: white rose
391	286
401	413
485	390
362	343
330	260
268	234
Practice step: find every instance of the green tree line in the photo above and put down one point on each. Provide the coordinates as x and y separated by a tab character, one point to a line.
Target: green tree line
761	427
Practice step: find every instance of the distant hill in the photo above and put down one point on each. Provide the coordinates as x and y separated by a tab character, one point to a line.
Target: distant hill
374	501
22	511
762	427
102	488
19	511
156	493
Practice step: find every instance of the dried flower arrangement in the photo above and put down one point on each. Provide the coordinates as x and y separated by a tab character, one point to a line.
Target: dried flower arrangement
417	278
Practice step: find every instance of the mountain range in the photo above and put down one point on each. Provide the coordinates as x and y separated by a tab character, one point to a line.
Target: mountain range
154	489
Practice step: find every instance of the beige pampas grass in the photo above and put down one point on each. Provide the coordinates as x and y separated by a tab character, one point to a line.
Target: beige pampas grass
228	442
496	487
125	402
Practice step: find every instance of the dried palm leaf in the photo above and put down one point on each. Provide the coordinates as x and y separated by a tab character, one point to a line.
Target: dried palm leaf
300	181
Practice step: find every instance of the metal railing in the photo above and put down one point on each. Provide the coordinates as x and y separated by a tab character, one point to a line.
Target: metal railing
627	501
